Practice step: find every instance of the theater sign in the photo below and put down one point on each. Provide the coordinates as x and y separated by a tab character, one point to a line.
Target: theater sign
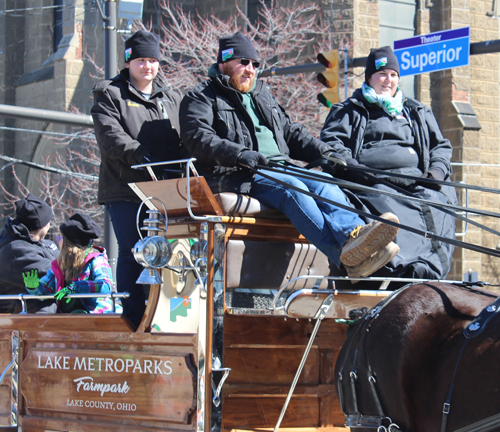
433	52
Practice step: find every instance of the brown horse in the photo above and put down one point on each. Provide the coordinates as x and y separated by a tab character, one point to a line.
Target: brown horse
407	361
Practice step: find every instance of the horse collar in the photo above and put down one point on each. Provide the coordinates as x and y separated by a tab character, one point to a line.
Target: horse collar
477	326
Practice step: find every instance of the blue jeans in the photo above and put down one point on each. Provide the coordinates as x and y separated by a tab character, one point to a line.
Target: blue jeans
123	217
326	226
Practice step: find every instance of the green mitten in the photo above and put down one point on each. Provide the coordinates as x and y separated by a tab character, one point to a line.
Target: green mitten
31	279
63	293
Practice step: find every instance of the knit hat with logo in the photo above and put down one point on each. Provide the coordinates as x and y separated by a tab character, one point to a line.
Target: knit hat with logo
380	59
237	46
142	44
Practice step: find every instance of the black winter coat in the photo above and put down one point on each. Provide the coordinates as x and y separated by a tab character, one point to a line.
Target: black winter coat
215	128
419	257
345	126
129	127
19	253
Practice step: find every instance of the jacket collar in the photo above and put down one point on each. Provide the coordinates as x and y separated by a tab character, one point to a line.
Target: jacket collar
15	230
223	80
159	86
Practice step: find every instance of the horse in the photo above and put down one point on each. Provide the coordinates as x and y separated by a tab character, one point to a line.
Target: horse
425	359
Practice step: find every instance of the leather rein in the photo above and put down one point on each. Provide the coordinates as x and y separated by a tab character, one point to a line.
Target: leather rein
380	421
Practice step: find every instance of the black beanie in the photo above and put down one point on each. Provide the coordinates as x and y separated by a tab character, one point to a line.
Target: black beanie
380	59
80	229
236	46
33	212
142	44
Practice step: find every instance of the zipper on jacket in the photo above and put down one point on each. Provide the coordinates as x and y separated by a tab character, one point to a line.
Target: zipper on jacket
163	109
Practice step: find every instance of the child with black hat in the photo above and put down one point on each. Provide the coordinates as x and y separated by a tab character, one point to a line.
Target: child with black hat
81	268
23	248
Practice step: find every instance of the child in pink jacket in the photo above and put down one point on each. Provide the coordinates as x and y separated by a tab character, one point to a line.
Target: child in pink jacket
81	268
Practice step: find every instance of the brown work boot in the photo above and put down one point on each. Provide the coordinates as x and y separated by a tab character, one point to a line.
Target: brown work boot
372	264
365	240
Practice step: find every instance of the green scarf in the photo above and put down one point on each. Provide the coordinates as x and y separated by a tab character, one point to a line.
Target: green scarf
391	105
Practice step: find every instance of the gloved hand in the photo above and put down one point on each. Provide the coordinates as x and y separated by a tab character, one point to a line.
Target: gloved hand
31	279
435	174
335	158
250	159
63	293
352	162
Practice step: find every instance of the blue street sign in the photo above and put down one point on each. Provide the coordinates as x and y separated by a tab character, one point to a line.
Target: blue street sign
432	52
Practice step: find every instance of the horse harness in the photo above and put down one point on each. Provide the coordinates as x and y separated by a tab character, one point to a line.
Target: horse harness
380	421
473	329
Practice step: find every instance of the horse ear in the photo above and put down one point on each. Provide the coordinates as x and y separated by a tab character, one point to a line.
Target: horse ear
356	314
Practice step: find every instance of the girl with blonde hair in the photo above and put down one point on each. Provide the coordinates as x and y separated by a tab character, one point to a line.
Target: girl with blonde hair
81	268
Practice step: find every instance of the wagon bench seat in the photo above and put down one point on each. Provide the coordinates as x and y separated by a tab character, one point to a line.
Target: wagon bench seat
263	249
173	194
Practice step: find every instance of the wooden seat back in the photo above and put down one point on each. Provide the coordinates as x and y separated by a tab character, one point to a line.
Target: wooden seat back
174	196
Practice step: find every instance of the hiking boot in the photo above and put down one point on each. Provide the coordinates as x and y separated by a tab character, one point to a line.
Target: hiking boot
373	263
365	240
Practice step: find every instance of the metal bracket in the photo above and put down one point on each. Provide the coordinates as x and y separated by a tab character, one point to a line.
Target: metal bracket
216	399
319	316
14	395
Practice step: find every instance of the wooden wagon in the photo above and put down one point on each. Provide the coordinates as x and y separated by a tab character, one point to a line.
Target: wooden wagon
243	315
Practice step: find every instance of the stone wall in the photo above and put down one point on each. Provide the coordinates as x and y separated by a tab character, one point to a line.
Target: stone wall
477	85
356	25
56	81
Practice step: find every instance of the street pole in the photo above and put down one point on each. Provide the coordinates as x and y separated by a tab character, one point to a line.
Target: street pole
110	44
110	70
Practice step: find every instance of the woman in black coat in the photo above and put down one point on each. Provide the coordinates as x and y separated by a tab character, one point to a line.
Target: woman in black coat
380	128
136	121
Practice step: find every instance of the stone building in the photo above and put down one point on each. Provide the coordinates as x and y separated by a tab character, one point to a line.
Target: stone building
44	64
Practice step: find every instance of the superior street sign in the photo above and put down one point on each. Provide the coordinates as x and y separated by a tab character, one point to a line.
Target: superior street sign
432	52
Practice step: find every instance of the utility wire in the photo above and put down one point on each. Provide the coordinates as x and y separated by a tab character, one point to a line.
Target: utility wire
29	9
13	161
71	6
39	132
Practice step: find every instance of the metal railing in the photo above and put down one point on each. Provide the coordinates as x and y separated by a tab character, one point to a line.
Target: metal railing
23	298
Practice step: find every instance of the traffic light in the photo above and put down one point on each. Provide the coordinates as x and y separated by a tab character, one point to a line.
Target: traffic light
330	77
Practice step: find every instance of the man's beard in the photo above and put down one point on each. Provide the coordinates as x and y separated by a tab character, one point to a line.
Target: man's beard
234	81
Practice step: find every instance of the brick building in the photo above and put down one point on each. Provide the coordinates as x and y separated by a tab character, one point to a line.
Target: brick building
43	64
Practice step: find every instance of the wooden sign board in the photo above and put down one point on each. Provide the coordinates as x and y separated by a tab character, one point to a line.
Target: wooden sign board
125	383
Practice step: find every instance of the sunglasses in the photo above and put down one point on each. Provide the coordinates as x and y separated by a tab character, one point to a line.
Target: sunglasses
246	62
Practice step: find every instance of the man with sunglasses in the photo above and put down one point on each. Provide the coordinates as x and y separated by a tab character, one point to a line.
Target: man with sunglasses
233	124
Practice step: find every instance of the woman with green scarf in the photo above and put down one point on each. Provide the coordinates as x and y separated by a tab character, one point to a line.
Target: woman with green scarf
378	127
